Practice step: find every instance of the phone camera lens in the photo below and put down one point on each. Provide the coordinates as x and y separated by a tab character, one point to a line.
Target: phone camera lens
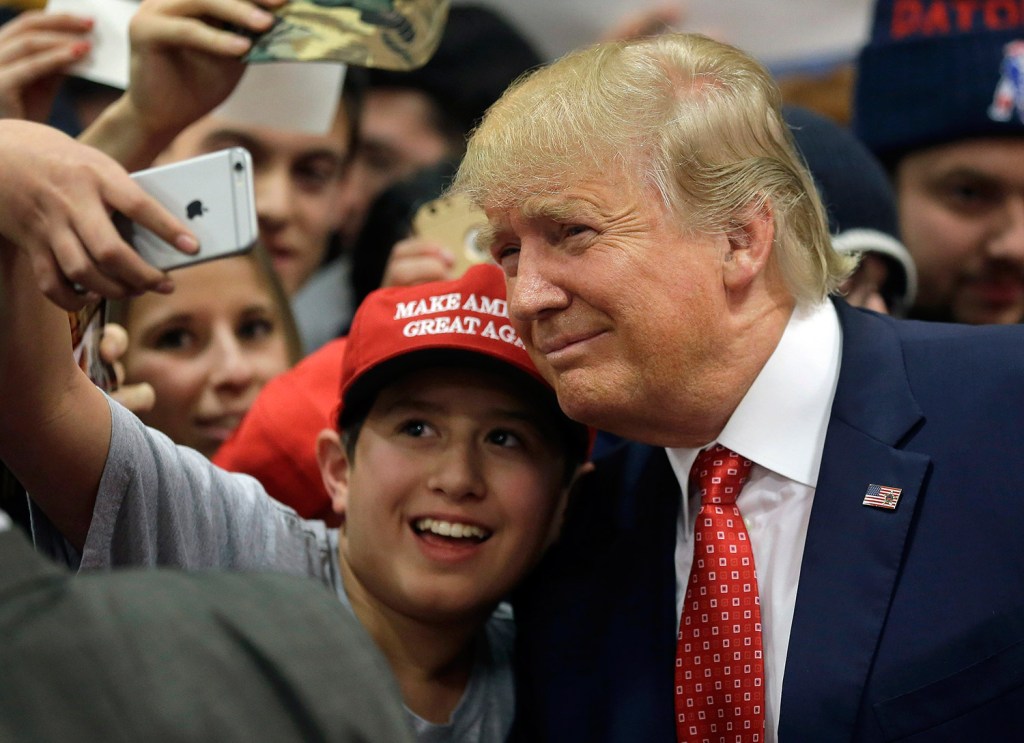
239	167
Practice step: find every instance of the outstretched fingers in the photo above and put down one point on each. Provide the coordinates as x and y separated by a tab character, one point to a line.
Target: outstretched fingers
213	26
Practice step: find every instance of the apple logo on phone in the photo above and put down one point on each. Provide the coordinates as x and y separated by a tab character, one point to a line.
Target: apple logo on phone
195	209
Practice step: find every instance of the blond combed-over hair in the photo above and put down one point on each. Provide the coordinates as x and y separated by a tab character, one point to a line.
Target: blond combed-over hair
696	119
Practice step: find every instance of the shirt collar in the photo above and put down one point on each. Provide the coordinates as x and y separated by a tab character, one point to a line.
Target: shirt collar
781	422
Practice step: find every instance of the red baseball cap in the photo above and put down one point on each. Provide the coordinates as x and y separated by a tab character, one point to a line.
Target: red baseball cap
276	441
461	322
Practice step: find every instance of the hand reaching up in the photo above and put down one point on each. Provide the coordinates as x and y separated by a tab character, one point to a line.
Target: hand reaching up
184	62
36	49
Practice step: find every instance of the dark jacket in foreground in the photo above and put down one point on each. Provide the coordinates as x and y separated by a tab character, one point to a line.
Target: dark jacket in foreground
160	655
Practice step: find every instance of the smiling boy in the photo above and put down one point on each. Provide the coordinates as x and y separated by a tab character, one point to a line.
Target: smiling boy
450	471
450	467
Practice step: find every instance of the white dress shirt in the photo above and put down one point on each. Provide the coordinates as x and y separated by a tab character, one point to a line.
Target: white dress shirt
780	425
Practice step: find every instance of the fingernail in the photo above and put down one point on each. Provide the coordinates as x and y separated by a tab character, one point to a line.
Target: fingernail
239	44
187	243
260	17
80	48
164	287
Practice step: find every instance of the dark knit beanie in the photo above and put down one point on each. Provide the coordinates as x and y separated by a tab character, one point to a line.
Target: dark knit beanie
858	198
938	71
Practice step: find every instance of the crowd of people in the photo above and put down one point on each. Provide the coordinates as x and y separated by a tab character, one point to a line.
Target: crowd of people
722	444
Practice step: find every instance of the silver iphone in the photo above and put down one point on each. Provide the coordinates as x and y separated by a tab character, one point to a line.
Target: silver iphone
212	194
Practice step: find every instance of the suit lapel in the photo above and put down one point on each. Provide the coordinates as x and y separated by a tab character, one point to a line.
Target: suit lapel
853	553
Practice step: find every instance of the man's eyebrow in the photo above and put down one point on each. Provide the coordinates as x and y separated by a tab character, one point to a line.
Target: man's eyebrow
969	172
254	144
560	210
232	135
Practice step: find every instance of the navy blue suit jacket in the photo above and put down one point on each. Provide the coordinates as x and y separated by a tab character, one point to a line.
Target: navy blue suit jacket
909	624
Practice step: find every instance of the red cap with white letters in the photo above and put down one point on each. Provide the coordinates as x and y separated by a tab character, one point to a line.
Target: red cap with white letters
462	322
404	326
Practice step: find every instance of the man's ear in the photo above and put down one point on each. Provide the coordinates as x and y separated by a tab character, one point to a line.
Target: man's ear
334	468
749	246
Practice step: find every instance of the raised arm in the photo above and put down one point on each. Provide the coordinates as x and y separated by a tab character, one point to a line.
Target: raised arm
183	64
55	199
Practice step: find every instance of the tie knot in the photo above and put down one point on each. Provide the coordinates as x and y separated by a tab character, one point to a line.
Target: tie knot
718	474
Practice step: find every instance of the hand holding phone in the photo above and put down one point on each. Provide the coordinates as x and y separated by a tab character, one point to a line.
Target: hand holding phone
455	222
213	194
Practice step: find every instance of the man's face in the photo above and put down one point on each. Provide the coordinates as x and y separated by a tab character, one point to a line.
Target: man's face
962	218
619	307
298	179
397	137
455	489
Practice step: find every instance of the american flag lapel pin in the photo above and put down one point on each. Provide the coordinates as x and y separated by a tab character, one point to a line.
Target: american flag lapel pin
882	496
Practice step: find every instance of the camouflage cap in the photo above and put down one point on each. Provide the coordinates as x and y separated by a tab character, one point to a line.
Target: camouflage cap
382	34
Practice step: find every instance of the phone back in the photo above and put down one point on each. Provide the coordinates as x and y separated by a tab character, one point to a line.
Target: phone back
454	221
213	195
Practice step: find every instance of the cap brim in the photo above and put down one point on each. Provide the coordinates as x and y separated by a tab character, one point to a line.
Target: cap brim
391	35
362	393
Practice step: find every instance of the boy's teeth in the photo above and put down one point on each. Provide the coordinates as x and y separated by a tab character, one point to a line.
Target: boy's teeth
450	529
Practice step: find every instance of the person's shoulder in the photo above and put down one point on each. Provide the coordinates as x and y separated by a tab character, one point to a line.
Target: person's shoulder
929	330
144	636
965	344
934	340
971	371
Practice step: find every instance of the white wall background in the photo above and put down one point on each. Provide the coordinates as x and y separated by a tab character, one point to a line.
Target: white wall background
783	34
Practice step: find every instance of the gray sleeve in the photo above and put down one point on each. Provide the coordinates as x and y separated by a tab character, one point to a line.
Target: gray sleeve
161	504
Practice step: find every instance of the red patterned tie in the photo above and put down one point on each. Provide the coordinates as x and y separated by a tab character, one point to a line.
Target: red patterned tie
719	664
